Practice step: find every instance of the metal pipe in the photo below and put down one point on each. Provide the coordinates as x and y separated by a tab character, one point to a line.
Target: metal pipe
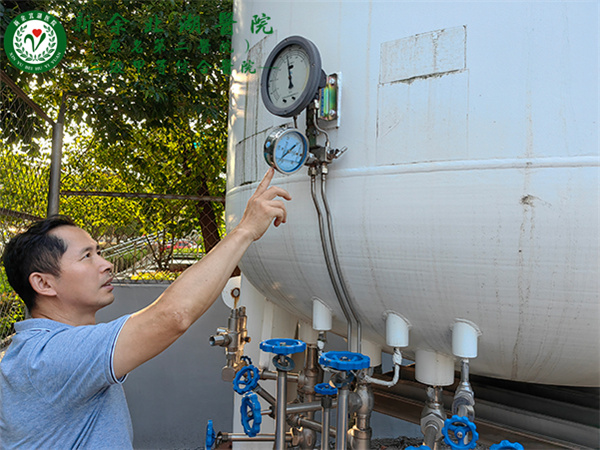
280	420
350	328
298	408
264	394
314	425
430	434
342	419
270	375
55	161
336	262
397	364
325	412
240	437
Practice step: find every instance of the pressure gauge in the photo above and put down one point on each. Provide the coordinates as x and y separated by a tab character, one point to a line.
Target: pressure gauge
286	150
292	76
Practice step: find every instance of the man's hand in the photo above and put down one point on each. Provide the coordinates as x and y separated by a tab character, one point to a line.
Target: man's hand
263	208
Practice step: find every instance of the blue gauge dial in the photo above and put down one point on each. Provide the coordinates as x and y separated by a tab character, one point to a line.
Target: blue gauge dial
286	150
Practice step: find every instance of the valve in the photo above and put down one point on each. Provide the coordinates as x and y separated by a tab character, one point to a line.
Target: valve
246	380
506	445
282	346
251	417
344	361
325	389
456	433
421	447
210	435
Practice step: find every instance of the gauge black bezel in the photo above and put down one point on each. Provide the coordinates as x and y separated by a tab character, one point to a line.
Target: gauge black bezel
312	85
271	144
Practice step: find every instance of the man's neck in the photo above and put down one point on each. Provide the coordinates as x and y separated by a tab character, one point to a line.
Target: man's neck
63	317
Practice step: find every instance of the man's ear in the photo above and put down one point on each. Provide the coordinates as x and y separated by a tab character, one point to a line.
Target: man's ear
42	283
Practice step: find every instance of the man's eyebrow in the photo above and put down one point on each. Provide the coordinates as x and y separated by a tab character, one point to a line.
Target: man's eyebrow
90	248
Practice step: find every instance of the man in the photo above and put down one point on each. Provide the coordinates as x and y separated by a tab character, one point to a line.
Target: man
60	379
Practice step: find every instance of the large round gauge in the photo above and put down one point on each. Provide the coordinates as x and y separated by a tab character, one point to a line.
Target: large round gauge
292	76
286	150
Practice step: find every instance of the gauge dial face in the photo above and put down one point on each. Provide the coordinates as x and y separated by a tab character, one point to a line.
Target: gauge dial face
292	76
289	76
286	150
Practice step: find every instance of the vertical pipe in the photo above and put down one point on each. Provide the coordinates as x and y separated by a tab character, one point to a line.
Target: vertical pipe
280	423
342	418
356	347
328	262
324	428
55	161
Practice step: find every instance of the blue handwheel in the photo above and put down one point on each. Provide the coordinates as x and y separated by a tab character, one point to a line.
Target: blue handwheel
344	360
456	433
246	380
281	346
325	389
210	435
422	447
250	410
507	445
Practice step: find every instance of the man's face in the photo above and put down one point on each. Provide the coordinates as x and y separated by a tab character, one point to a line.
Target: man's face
85	277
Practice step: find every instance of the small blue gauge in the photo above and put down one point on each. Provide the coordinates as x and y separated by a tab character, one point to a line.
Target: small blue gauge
286	150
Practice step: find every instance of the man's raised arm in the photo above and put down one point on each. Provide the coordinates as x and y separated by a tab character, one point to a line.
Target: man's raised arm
151	330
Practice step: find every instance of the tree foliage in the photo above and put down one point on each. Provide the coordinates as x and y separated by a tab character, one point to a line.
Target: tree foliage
146	118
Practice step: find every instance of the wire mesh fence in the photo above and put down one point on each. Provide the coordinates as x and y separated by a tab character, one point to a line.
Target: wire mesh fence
24	178
151	227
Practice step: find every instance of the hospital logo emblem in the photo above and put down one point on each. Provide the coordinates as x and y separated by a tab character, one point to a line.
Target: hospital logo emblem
35	42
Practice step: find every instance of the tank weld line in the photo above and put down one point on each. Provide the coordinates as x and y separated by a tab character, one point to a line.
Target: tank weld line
456	166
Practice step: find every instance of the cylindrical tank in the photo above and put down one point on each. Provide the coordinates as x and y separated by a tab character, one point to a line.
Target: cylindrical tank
469	190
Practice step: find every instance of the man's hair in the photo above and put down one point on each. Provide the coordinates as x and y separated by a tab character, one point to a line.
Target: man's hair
34	250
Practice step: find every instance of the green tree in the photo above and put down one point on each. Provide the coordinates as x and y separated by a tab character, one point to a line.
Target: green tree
154	121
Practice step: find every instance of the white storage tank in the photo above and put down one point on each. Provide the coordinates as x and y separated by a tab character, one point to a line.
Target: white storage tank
469	190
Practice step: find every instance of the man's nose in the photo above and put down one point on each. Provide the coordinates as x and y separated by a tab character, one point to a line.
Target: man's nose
106	265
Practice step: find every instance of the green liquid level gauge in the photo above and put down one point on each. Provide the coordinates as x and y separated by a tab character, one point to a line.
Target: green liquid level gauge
286	150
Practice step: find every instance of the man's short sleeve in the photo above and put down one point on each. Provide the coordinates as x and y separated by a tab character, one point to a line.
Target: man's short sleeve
74	363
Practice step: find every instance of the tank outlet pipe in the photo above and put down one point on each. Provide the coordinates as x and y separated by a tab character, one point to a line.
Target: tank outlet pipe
465	335
433	418
397	360
328	262
322	315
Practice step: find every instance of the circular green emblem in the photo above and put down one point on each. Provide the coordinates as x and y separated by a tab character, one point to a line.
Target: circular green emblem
35	41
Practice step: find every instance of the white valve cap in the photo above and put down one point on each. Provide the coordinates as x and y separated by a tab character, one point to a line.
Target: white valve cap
322	316
464	339
396	329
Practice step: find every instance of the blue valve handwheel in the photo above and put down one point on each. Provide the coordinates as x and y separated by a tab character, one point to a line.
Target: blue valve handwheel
250	410
344	360
281	346
507	445
246	380
421	447
460	433
210	435
325	389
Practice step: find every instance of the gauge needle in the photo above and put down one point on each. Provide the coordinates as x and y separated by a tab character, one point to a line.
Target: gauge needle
288	150
290	86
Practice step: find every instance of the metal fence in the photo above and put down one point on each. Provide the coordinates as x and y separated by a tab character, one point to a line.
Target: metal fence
148	236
